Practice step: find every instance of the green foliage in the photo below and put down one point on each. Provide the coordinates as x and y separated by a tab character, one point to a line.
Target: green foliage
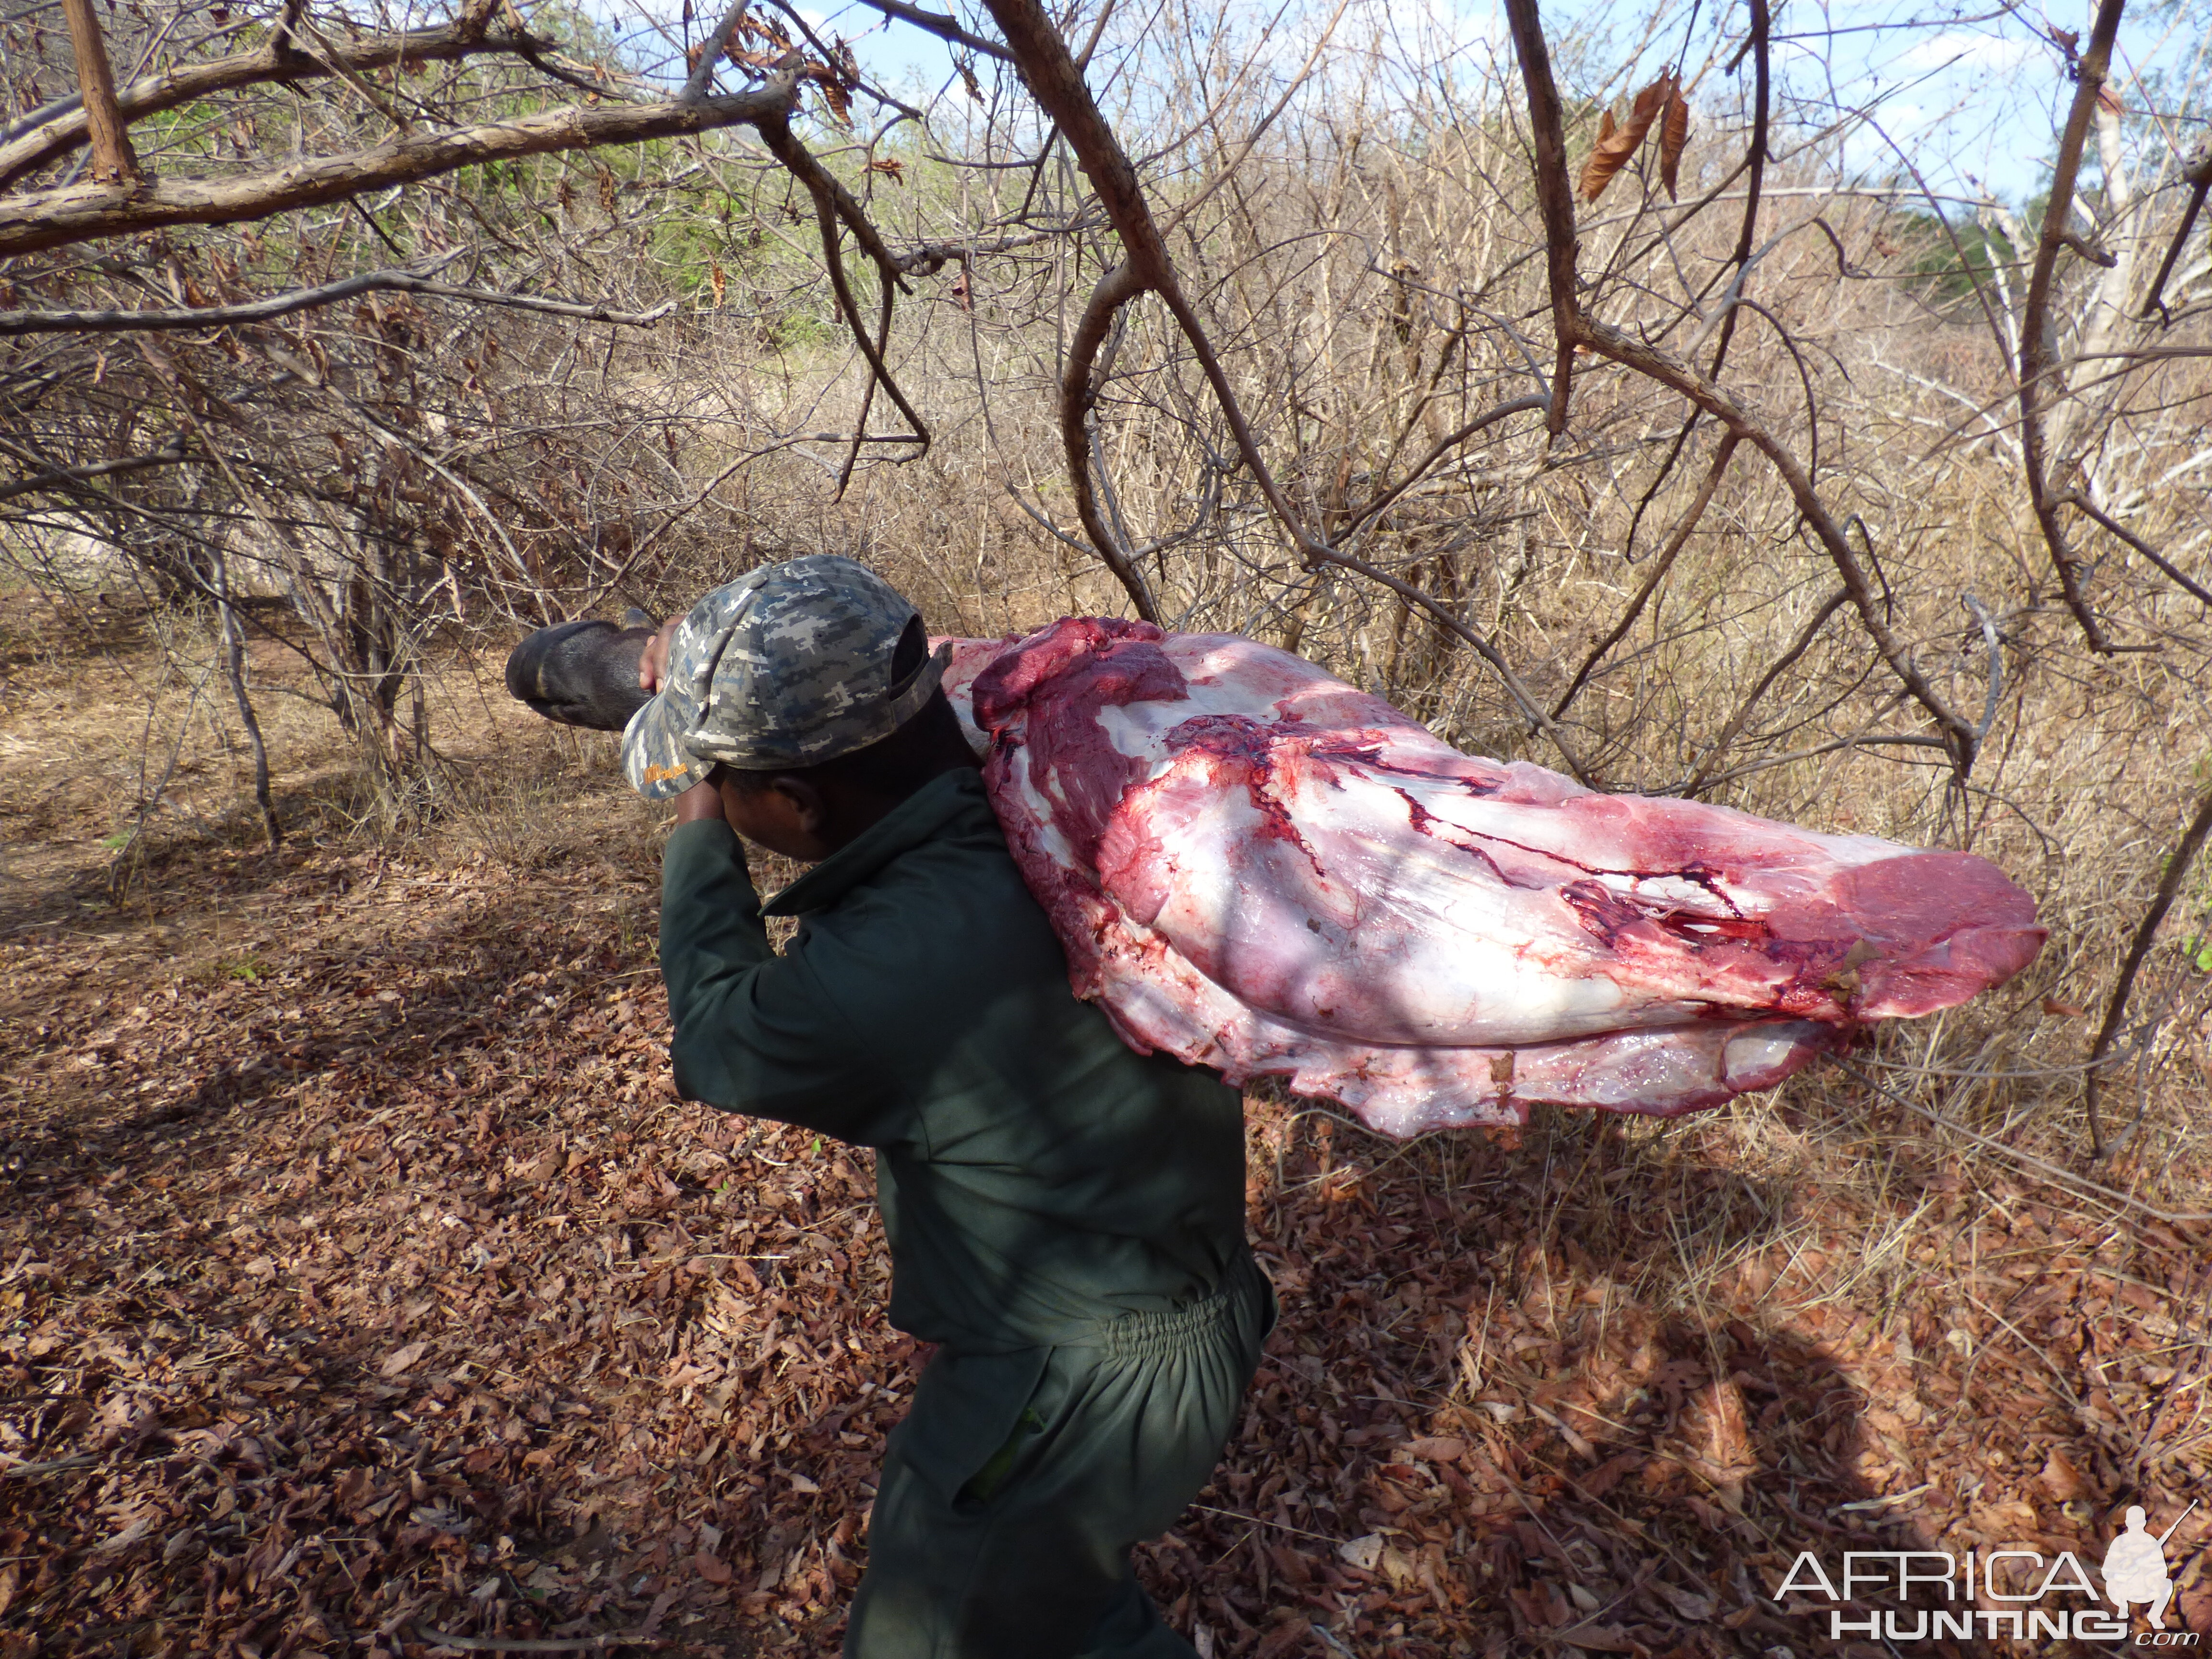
1950	260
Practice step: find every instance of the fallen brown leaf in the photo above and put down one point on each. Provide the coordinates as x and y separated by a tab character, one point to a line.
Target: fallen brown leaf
2060	1478
1599	1639
1688	1603
1435	1449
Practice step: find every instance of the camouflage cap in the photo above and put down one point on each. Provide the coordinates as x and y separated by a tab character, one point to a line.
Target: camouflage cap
789	666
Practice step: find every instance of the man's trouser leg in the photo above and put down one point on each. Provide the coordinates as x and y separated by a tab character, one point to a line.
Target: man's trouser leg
1027	1558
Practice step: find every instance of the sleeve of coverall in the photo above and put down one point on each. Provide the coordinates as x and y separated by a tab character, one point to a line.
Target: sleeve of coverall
754	1032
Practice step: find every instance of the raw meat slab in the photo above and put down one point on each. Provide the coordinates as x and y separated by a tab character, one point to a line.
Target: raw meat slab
1257	867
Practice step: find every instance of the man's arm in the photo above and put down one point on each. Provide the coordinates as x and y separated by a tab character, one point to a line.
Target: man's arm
754	1032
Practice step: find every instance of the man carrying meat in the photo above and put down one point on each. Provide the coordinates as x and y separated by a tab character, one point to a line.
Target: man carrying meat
1064	1217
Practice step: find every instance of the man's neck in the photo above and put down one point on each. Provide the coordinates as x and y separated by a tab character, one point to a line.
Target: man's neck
854	811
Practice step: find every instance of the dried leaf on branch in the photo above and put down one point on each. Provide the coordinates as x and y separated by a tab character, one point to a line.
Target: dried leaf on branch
1673	138
834	96
833	84
1616	144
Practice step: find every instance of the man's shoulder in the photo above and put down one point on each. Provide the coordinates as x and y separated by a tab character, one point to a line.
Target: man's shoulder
917	951
961	880
967	869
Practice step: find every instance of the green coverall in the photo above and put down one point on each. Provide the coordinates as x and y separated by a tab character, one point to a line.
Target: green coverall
1065	1218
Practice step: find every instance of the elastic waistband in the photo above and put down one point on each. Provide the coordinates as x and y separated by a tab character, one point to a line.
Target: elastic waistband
1150	1335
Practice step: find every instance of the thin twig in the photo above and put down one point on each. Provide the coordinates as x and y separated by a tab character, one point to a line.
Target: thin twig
1781	665
2074	498
61	479
2110	1195
1676	544
535	1645
1438	451
2177	867
2198	177
1885	739
305	299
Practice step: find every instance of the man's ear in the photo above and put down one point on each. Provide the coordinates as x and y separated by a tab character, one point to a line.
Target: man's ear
805	798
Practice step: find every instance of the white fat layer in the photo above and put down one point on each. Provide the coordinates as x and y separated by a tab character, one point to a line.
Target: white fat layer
1407	947
1751	1054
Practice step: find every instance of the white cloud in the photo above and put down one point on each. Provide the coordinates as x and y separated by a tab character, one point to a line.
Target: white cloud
1965	49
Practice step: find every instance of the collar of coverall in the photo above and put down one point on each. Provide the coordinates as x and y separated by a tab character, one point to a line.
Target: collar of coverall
916	819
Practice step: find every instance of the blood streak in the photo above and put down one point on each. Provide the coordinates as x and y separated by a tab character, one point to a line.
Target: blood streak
1257	867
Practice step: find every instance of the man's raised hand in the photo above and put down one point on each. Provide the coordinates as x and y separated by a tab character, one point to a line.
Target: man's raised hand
653	661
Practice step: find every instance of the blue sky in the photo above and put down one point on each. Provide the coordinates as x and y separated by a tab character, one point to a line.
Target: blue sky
1972	94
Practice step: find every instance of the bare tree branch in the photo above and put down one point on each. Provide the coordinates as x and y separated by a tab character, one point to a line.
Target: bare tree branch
2074	498
1057	82
1077	394
833	203
1780	665
1623	349
1760	48
305	299
2198	177
931	257
49	133
2041	383
1438	451
63	479
83	212
1531	709
2169	887
943	27
1554	198
1554	193
710	53
113	161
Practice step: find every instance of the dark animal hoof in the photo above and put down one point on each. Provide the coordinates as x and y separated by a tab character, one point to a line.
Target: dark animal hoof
580	673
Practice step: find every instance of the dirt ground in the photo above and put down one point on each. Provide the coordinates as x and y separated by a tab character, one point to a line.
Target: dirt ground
365	1290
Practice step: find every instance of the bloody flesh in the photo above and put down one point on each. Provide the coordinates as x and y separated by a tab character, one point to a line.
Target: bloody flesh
1257	867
